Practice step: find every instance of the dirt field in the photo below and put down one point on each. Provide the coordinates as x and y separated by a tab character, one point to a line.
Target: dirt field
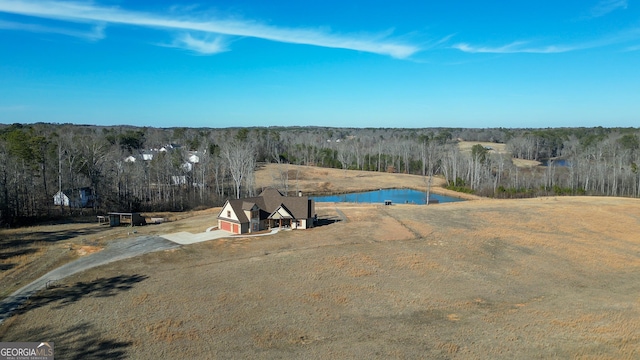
499	279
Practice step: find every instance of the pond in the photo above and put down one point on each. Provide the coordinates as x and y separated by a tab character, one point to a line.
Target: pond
397	196
556	162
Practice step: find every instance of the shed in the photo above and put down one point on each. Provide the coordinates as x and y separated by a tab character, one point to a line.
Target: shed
134	219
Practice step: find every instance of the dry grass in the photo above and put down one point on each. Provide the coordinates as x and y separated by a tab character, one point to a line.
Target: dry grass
501	279
30	252
317	180
497	149
504	279
523	163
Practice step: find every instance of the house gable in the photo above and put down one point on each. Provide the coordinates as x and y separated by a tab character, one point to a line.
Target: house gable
251	211
82	197
229	213
60	198
281	213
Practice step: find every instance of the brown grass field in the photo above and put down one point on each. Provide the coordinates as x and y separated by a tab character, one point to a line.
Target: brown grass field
497	149
486	279
29	252
317	180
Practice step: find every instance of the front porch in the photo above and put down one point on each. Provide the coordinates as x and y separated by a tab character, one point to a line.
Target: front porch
279	223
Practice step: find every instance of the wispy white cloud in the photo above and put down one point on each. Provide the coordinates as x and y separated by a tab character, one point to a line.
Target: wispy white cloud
528	47
606	6
512	48
95	33
89	12
207	45
444	40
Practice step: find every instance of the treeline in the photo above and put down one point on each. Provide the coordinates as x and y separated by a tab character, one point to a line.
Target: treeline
151	169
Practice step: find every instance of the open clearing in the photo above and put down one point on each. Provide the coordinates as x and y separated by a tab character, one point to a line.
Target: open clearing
534	278
497	148
317	180
491	146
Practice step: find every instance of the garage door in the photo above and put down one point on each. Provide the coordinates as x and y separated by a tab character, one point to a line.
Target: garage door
225	226
235	229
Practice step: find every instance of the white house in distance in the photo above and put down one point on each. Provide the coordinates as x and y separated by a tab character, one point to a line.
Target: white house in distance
75	198
268	210
147	155
193	157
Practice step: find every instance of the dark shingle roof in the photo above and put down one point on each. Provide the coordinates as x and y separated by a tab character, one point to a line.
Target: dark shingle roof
268	201
247	205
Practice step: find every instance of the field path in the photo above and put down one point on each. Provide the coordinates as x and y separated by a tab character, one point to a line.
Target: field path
118	250
343	217
415	233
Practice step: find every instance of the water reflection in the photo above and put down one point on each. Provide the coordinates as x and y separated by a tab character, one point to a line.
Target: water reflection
397	196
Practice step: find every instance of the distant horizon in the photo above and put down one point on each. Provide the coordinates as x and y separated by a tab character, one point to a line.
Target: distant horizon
328	127
246	63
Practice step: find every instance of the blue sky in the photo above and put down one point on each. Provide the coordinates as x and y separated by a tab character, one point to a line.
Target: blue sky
322	63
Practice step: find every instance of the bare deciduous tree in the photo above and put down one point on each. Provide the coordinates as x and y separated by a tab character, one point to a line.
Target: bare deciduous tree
241	158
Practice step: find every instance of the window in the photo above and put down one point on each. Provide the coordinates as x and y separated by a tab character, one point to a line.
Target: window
228	213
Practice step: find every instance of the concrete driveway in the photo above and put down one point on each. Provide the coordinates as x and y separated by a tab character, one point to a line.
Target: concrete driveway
116	250
186	238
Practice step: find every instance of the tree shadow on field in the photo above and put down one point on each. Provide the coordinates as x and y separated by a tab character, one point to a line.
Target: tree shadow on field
9	254
45	237
60	296
4	267
82	341
7	261
327	220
